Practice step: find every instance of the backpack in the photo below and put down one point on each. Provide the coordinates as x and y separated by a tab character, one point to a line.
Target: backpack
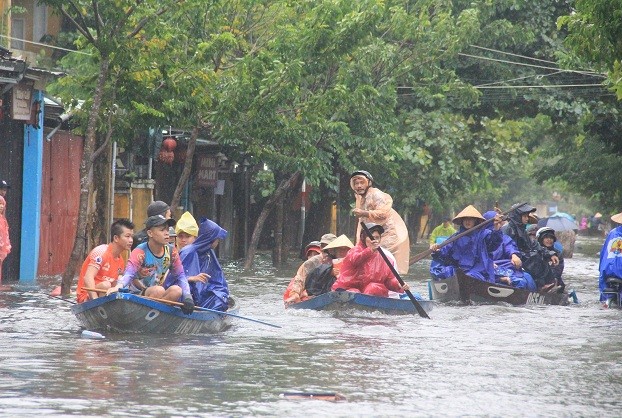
320	280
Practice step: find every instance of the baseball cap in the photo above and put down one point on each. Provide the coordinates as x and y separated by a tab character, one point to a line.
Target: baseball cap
157	208
158	220
4	185
327	239
171	232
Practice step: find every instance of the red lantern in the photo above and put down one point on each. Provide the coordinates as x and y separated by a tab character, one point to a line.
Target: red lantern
166	157
169	144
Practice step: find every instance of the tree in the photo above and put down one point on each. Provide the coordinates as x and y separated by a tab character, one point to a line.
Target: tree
321	96
112	31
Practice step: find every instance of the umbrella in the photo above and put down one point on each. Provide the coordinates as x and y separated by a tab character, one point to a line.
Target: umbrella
558	223
564	215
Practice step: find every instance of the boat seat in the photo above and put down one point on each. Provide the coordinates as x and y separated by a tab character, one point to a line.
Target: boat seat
613	281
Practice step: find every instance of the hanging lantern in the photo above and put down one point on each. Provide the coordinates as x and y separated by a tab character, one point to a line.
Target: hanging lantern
166	157
169	144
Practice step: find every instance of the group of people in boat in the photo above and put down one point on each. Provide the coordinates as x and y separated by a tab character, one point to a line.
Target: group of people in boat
169	260
335	263
503	251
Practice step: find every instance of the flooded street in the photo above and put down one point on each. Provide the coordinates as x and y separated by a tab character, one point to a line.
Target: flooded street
465	361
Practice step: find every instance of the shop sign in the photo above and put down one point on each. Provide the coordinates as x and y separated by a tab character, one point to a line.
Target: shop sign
21	101
207	172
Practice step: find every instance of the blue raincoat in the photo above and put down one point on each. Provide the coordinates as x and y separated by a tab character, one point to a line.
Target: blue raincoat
199	257
472	254
610	259
502	257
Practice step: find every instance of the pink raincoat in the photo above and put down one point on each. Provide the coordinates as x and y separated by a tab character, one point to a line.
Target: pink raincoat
395	237
5	242
364	270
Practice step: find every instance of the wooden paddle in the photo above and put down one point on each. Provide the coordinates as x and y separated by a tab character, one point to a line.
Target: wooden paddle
322	396
414	301
421	256
198	308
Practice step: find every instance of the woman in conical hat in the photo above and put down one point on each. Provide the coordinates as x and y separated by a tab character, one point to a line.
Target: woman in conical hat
469	212
320	279
471	253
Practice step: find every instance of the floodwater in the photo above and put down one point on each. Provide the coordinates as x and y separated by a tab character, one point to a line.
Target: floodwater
465	361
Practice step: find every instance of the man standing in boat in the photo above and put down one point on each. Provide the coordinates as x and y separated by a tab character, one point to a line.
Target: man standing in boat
373	205
104	264
149	263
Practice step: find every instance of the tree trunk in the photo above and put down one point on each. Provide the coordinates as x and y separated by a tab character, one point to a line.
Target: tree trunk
185	174
277	252
282	189
86	167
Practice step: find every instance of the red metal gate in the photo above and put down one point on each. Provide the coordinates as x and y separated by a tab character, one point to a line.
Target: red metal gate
60	200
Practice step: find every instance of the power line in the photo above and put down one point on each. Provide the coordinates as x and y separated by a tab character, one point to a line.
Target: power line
527	65
586	72
45	45
538	87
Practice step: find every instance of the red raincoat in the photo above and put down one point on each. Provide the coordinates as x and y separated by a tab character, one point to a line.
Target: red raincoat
364	270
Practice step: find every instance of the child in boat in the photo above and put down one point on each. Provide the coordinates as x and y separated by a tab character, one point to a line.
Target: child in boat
5	242
364	270
148	267
187	230
199	259
506	259
296	291
534	258
546	238
471	253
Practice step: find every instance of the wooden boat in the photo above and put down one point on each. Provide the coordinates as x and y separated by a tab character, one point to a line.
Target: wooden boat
341	299
467	289
129	313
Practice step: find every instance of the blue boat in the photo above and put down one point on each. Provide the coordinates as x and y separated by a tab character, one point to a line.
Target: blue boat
129	313
342	299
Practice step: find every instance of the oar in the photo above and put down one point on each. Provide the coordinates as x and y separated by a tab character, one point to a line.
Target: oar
414	301
198	308
421	256
322	396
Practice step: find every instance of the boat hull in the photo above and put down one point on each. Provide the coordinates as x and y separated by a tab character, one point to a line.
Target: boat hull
128	313
466	289
341	299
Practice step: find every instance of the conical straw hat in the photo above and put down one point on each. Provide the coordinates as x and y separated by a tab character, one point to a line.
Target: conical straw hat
340	241
617	218
187	224
468	212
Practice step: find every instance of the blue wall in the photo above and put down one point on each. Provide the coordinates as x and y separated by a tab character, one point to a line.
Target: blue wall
31	200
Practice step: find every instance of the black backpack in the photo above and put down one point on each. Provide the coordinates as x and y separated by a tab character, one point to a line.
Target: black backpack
320	280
